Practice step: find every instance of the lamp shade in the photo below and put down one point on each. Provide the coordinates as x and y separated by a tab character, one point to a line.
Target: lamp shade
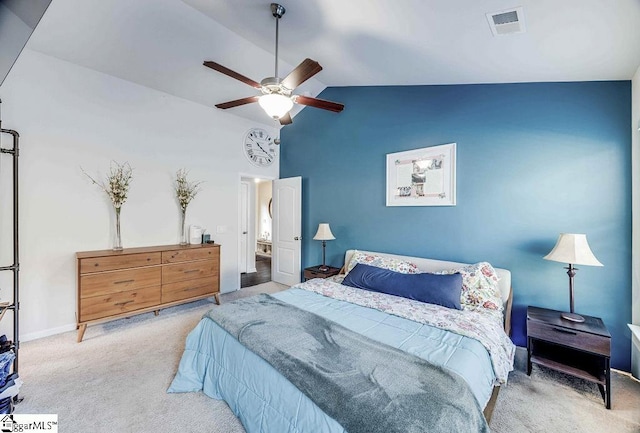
324	233
275	104
574	249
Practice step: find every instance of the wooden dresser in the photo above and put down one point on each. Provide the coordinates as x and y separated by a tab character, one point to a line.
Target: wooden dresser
115	284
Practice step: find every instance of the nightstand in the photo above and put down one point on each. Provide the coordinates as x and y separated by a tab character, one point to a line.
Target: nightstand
579	349
315	272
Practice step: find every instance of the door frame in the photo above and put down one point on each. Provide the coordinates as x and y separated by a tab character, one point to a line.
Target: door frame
252	176
245	204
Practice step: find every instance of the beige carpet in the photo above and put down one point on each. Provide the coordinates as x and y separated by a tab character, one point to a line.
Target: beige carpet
116	381
551	402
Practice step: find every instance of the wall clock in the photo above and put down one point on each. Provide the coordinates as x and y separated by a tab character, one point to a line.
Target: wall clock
259	147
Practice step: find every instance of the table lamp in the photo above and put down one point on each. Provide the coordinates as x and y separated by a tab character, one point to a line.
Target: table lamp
324	234
572	249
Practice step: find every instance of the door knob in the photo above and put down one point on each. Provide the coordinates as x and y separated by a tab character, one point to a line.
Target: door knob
297	238
244	233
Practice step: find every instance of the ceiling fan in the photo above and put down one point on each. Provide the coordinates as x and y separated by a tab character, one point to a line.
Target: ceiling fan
277	98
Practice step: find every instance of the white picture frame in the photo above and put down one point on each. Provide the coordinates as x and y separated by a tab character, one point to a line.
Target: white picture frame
422	177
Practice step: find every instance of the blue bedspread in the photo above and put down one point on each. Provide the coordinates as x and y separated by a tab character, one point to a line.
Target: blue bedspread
265	401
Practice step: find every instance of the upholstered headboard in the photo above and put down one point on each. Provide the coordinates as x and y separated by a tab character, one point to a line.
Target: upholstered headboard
432	265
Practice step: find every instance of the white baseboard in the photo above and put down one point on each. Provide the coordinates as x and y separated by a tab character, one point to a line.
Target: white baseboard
229	291
47	332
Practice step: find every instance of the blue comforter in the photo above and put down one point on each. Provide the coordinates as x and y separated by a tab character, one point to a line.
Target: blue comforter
265	401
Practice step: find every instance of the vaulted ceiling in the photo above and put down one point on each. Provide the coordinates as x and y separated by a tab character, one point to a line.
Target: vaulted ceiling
161	44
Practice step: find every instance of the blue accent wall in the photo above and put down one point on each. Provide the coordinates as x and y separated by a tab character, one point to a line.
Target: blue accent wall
533	160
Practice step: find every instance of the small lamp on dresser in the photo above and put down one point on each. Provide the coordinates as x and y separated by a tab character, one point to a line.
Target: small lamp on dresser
324	234
572	249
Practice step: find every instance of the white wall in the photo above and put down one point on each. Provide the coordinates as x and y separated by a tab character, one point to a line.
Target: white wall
14	33
71	117
635	206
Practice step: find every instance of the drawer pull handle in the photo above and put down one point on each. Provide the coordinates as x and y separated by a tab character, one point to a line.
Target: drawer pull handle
565	331
192	271
123	281
122	304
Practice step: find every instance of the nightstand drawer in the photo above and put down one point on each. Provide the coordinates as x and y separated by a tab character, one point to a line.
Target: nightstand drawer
315	272
569	337
311	274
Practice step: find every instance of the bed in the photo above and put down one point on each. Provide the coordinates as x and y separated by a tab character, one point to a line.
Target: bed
468	346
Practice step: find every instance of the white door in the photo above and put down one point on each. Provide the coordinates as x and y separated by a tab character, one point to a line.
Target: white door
287	231
244	225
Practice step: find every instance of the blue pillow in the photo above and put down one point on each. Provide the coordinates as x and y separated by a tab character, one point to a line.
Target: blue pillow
430	288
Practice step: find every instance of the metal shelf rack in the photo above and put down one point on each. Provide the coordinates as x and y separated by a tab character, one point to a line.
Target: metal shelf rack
14	305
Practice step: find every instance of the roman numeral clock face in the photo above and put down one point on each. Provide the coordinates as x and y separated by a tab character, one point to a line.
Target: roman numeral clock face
259	147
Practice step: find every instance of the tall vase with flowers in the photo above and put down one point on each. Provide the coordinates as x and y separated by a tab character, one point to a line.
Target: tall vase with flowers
116	186
185	192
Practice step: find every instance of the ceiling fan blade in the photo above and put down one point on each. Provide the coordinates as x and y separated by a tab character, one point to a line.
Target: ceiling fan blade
237	102
336	107
218	67
305	70
286	119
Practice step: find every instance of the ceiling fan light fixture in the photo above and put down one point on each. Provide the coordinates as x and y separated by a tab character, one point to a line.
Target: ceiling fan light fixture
277	98
275	104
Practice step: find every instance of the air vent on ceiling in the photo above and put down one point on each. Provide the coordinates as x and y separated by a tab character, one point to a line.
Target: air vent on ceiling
506	22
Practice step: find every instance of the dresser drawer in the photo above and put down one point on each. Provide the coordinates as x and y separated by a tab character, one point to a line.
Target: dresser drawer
569	337
97	307
189	271
190	254
189	289
124	261
106	283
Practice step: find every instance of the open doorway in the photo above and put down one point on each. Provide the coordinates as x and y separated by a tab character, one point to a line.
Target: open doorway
256	228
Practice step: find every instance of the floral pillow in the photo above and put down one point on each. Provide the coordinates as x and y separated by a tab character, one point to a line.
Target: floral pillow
391	264
337	278
479	286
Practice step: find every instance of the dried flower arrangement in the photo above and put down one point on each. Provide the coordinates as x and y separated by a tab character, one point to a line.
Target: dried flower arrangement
116	186
185	192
